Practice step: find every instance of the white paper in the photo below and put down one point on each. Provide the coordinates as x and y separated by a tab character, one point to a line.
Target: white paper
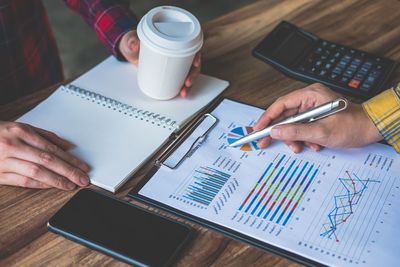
336	207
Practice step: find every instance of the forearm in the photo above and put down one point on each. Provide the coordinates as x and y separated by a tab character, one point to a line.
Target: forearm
384	111
110	19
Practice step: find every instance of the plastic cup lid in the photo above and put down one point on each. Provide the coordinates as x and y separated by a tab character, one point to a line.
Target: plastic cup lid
171	30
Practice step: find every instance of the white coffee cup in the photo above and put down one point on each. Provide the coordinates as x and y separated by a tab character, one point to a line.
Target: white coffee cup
169	39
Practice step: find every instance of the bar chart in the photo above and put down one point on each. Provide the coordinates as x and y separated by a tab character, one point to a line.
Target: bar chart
202	186
277	193
206	184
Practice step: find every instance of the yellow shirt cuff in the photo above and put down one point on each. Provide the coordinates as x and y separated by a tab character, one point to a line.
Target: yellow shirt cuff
384	111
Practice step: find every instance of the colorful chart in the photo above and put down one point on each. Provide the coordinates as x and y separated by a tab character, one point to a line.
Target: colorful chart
206	184
345	203
279	190
238	133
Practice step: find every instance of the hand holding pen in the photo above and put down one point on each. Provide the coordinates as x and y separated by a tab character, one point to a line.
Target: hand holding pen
349	128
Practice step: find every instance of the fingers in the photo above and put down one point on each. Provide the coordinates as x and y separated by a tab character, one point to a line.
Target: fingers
184	91
307	132
46	146
295	146
264	142
55	139
53	163
313	146
20	180
281	105
295	102
192	76
129	47
36	158
36	172
30	146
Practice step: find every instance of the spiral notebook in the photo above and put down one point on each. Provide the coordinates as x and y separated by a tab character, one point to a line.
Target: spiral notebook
115	127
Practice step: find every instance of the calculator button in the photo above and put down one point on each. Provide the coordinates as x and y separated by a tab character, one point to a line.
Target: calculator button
337	54
378	59
332	60
378	67
363	70
342	63
333	46
337	70
352	67
374	73
333	76
348	73
352	51
357	61
370	80
322	73
368	64
346	58
365	86
344	79
328	66
359	76
354	83
323	57
318	63
319	50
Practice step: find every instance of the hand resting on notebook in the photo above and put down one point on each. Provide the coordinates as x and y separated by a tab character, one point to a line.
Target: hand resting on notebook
349	128
36	158
129	47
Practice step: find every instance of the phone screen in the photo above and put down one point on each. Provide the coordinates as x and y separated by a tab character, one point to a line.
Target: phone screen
120	229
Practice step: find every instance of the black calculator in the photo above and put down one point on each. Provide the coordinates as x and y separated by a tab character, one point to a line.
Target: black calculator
303	56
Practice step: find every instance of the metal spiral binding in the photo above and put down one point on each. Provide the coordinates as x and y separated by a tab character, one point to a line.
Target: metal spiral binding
125	109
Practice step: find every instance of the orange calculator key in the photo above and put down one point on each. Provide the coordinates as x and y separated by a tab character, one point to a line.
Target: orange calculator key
354	83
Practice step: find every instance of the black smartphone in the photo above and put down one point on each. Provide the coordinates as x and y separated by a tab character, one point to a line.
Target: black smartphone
120	229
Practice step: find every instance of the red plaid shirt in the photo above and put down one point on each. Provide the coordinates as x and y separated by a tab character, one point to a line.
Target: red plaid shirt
29	57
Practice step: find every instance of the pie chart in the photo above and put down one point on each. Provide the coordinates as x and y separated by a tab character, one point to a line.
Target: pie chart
238	133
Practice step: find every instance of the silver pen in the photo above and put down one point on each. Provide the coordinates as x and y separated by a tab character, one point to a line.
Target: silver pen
311	115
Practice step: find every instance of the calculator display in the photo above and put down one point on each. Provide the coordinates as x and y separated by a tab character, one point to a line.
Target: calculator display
292	48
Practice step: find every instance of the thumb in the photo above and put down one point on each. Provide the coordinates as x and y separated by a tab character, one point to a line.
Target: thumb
309	132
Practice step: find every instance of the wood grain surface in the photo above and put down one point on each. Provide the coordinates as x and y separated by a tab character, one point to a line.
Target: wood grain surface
371	25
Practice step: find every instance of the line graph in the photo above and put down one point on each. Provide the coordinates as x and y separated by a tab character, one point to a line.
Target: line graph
349	211
344	203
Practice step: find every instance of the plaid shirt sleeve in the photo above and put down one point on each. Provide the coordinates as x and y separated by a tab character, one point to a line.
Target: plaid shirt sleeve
110	19
384	111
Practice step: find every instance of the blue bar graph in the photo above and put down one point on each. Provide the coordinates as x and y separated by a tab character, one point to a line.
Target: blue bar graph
206	184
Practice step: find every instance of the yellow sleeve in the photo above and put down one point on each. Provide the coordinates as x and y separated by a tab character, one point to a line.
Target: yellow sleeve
384	111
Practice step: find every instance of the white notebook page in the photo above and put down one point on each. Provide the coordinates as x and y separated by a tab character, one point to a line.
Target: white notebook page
113	144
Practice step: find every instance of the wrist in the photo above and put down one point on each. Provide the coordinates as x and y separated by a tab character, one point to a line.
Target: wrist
368	130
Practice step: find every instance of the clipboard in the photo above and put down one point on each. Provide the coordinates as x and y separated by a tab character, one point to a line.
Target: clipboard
163	161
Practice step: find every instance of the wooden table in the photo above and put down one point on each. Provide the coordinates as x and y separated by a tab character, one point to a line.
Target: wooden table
371	25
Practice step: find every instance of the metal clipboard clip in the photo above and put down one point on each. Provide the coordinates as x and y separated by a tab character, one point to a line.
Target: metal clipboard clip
185	135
